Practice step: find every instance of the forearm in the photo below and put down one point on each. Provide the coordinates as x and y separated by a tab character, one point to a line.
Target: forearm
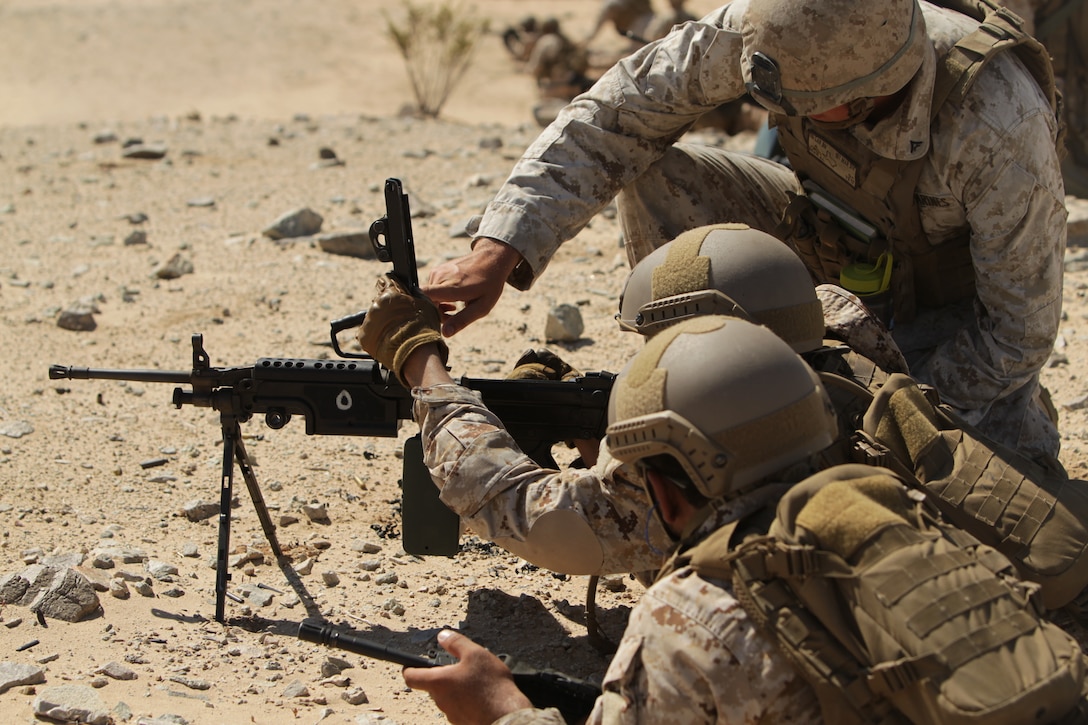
1018	311
574	521
424	367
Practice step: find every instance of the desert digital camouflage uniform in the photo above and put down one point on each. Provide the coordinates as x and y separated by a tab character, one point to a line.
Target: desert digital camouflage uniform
690	654
991	172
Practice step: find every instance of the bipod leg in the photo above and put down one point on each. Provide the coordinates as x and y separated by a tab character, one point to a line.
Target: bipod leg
269	528
597	638
250	478
232	437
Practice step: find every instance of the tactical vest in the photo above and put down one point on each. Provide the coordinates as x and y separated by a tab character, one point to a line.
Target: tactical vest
890	614
882	191
1033	514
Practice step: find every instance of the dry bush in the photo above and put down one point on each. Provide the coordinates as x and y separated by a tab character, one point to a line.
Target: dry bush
437	43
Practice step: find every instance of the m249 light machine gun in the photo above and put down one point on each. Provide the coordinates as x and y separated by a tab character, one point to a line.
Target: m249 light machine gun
355	396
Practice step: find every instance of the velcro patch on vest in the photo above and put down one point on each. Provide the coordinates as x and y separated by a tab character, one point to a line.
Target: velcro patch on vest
826	153
845	514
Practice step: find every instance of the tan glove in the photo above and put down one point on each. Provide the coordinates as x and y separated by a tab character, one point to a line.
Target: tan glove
398	323
542	365
546	365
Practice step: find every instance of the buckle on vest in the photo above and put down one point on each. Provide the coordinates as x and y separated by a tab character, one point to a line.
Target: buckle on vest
1009	17
997	31
872	451
889	678
793	561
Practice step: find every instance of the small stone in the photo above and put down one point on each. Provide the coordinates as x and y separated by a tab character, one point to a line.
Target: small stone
316	512
144	151
564	324
118	589
301	222
296	689
354	696
117	671
16	428
175	267
136	238
193	683
304	567
79	318
347	243
198	510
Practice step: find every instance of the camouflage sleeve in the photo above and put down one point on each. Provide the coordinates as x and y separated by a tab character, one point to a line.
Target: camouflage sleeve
1000	162
690	654
607	137
573	521
848	319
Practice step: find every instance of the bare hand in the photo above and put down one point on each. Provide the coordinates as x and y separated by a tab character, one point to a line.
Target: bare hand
478	690
476	279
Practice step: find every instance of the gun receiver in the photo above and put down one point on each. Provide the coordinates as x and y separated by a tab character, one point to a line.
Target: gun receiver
573	698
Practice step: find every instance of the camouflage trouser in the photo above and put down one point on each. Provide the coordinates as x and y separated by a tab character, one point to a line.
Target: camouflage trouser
695	185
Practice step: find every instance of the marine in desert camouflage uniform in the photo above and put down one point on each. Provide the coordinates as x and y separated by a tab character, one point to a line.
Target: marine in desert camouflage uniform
662	23
628	17
990	179
556	64
598	520
730	671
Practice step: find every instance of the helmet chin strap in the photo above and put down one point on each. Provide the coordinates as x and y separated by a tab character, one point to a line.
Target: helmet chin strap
857	111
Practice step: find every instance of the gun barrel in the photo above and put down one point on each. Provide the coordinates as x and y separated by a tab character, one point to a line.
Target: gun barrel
352	642
65	372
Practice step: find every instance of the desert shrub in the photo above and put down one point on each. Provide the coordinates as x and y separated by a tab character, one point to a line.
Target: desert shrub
437	42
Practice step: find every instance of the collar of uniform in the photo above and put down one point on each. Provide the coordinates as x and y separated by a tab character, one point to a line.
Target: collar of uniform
904	135
719	512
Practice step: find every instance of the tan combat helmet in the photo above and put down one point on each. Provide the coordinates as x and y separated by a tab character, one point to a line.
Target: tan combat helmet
724	269
803	58
727	399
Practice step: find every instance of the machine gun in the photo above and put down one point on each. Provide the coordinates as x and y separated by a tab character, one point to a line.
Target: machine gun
355	396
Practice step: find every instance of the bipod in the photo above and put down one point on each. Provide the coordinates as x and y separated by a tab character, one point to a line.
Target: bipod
234	452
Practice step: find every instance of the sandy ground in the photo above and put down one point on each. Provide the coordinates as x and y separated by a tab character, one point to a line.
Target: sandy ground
243	95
